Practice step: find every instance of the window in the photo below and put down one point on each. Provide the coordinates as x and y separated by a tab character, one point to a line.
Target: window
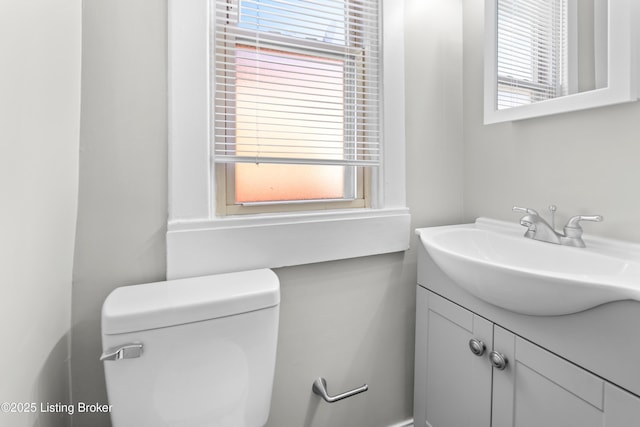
296	117
227	128
532	51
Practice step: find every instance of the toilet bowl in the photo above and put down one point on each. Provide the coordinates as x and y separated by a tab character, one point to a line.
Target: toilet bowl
192	352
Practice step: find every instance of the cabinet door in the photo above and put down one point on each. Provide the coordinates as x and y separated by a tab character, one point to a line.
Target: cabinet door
453	386
538	388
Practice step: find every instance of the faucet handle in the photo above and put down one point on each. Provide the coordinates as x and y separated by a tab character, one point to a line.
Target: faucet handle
573	228
525	210
574	221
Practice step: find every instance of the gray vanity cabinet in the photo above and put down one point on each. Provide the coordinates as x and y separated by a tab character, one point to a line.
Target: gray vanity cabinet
457	388
538	388
453	386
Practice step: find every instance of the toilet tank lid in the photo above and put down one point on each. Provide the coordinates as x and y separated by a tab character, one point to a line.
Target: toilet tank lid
176	302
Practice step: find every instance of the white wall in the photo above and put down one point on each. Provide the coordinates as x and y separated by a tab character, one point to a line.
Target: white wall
122	206
39	131
585	162
351	321
433	95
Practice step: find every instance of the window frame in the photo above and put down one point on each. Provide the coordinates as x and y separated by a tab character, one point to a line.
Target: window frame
225	205
200	242
621	69
225	172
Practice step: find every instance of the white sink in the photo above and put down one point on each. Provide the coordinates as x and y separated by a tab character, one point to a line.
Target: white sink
495	262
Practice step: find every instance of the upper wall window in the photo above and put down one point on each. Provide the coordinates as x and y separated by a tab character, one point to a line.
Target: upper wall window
276	132
296	123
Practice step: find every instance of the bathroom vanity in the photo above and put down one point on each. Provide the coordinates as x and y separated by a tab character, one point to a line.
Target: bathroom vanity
481	365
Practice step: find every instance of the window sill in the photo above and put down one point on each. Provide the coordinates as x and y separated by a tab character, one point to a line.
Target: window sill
222	245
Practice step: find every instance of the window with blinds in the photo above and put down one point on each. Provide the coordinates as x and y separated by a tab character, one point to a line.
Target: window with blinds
532	49
296	97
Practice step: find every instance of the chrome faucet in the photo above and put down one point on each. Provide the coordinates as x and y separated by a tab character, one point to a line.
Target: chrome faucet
539	229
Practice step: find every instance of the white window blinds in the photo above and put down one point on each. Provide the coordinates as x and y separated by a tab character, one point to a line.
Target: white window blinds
296	82
532	51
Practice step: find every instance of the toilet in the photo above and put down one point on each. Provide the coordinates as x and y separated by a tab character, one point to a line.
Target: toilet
192	352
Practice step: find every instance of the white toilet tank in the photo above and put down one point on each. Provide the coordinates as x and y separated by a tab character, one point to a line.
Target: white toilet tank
192	352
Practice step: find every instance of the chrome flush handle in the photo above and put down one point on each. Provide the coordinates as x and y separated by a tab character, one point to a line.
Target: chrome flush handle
127	351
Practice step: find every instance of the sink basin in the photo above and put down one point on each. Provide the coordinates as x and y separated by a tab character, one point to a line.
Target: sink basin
493	261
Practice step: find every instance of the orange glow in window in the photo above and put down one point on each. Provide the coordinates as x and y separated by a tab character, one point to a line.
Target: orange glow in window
288	106
267	182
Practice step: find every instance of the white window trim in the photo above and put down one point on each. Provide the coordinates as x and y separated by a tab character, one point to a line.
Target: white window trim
623	79
200	243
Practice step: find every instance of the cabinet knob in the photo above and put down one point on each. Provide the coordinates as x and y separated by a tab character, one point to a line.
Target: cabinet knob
498	360
477	347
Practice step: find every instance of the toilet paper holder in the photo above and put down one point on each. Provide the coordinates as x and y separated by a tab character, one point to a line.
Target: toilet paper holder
319	387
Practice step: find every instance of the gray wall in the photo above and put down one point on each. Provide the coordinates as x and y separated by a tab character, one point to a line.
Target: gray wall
39	134
351	321
584	162
122	207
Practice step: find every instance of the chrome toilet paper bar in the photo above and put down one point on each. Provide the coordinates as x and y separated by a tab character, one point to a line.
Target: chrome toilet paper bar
319	387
